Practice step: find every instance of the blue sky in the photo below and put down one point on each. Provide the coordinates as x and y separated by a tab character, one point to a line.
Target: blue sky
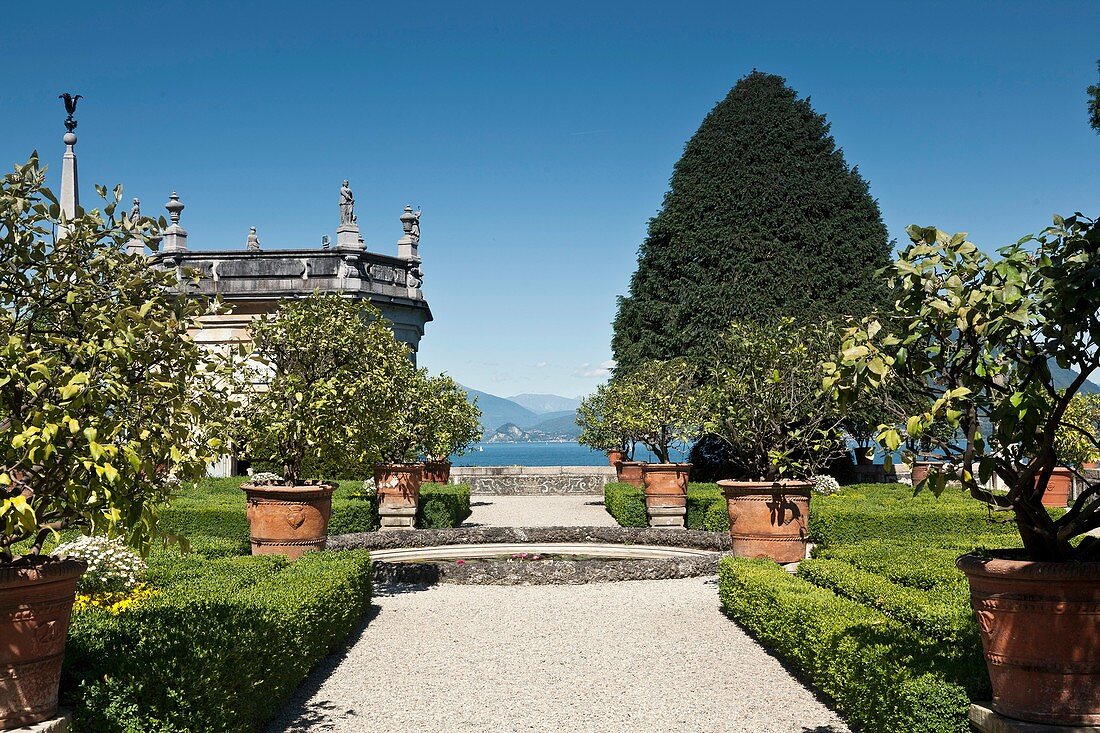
539	138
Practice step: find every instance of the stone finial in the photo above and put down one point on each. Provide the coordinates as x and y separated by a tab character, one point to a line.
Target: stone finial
175	236
407	246
253	243
175	207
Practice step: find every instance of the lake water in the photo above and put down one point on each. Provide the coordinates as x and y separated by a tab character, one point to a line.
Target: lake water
540	454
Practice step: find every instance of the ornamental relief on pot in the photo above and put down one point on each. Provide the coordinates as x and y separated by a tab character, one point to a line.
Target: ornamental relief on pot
295	517
985	621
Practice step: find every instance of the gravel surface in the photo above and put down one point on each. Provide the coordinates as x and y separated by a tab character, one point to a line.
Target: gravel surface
631	656
579	510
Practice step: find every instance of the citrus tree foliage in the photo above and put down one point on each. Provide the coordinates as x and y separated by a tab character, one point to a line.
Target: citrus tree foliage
766	400
974	335
325	368
599	420
105	404
659	405
453	424
763	219
1075	442
405	415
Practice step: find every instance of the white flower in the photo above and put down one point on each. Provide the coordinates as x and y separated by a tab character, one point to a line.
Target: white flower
825	484
112	566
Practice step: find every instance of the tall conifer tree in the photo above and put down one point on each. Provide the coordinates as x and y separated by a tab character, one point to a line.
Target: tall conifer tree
763	219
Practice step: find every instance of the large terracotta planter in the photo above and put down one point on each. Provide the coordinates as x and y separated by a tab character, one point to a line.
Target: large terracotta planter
614	456
35	607
1059	487
398	486
665	487
1040	631
768	519
629	472
437	472
288	520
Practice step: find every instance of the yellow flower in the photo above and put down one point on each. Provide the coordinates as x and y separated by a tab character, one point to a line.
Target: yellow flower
114	603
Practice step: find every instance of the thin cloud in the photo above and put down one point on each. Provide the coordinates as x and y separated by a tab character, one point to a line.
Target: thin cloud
542	364
587	371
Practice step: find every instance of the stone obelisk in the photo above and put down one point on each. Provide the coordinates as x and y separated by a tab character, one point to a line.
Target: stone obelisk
70	191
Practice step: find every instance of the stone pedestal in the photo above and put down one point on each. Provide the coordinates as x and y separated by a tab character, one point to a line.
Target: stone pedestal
392	517
666	517
60	723
984	720
407	248
347	237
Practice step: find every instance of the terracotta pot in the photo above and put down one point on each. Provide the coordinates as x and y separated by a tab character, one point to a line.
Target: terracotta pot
398	485
630	472
288	520
768	519
1041	636
1058	487
921	470
437	472
35	606
614	456
865	456
665	484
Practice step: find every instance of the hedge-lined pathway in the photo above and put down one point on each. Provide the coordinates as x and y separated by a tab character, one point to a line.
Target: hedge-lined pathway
651	655
628	656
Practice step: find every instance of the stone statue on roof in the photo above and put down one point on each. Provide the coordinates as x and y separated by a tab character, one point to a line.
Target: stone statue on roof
347	205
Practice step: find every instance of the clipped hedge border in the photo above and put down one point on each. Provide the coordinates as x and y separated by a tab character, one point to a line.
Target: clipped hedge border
706	507
220	647
441	506
864	512
879	672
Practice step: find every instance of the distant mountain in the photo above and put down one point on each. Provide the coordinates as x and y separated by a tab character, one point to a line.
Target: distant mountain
497	411
1064	378
541	404
508	433
501	418
563	426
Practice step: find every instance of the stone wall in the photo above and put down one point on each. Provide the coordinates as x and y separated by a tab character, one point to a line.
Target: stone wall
533	480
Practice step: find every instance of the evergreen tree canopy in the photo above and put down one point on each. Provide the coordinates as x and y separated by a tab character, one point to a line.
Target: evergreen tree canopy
763	219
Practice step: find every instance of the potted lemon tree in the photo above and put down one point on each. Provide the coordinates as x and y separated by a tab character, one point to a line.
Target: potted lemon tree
313	385
766	401
659	404
596	417
404	415
979	336
105	403
453	424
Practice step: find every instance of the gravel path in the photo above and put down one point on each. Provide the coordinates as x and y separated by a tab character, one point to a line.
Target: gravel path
576	510
627	656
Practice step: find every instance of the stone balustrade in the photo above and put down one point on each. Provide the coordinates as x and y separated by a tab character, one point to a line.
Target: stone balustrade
533	480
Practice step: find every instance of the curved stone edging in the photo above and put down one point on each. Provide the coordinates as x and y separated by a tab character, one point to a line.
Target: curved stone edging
695	539
542	572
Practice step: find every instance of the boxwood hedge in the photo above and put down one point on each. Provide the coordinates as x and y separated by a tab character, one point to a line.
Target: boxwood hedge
706	508
883	675
887	511
219	647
